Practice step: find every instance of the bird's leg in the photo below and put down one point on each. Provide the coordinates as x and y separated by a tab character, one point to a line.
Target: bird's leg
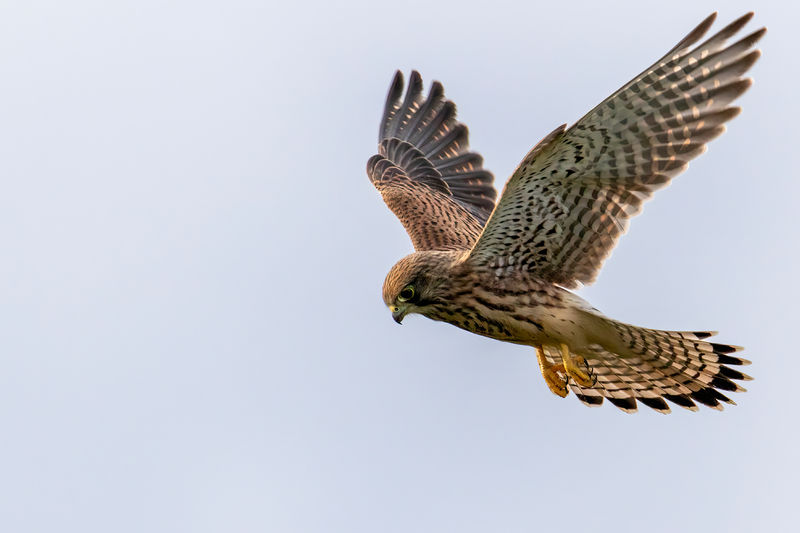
577	368
556	383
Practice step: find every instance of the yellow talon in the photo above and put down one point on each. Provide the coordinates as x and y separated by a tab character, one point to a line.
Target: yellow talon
552	374
577	368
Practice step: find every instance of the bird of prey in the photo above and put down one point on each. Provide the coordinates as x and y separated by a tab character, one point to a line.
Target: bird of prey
504	269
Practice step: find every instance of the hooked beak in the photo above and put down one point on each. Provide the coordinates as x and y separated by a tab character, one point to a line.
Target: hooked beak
397	313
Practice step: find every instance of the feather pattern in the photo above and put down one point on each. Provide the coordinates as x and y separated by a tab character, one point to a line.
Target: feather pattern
678	366
504	271
571	198
425	171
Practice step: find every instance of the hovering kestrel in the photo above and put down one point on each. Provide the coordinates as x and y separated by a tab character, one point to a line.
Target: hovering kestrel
503	270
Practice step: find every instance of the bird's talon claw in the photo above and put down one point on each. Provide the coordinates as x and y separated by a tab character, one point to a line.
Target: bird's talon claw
577	368
554	375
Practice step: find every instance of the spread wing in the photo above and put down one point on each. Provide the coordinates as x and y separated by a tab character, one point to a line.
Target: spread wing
571	198
425	172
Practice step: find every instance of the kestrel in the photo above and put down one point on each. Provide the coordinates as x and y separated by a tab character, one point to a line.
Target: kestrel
504	270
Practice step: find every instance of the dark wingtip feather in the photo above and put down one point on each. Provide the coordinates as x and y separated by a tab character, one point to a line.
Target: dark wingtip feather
392	98
741	21
754	37
733	27
414	89
436	91
396	88
696	34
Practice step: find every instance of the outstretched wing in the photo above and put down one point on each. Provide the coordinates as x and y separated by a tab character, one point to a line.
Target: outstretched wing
571	198
425	172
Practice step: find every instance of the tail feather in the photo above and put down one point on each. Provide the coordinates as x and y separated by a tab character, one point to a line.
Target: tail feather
651	366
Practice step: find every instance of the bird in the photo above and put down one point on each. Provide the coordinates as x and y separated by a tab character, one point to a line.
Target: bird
506	268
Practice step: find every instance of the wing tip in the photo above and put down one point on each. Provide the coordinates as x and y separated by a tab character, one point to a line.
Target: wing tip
707	22
696	34
414	80
736	25
747	17
756	36
395	88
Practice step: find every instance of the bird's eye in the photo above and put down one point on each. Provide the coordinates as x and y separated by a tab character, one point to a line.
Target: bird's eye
406	294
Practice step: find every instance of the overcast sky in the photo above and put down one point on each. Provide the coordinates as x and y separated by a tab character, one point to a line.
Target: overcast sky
192	336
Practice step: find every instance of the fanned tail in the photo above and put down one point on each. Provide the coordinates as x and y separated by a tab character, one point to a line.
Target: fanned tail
651	366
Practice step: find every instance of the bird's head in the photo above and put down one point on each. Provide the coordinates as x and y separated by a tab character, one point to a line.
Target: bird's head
417	282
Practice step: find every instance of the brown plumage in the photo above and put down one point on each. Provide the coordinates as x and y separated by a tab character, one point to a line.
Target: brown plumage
503	270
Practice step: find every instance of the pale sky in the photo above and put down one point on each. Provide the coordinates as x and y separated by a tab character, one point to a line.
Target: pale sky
192	330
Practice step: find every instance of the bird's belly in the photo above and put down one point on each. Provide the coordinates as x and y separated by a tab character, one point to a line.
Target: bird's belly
532	321
544	324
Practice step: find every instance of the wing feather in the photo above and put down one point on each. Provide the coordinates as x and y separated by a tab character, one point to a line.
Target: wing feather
566	205
425	171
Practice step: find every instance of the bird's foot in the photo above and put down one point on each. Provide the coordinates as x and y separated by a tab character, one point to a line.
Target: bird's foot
577	368
555	382
554	375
